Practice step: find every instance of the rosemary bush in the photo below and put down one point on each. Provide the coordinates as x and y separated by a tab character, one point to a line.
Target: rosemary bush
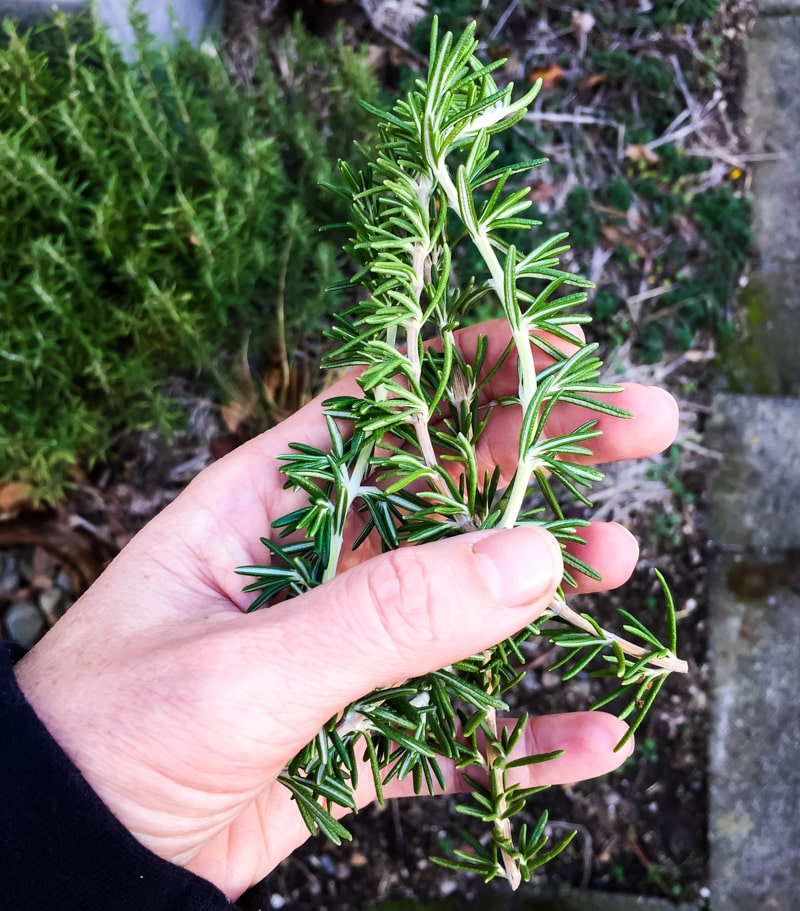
154	217
407	461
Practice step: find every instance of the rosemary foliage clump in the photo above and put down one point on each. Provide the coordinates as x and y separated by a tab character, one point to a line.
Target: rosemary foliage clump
408	461
149	209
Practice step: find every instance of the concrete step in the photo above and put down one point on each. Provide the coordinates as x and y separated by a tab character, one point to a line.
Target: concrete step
754	630
765	358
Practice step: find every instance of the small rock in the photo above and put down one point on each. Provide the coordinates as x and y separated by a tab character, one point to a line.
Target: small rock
530	683
550	680
64	582
9	574
25	623
582	686
52	602
447	887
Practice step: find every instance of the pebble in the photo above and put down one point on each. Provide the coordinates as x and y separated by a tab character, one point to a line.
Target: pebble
9	574
582	686
63	582
53	602
530	684
24	623
550	680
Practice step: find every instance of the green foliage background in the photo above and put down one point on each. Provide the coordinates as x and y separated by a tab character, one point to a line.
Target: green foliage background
147	211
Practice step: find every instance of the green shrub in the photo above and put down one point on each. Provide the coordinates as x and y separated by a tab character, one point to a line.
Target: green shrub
151	216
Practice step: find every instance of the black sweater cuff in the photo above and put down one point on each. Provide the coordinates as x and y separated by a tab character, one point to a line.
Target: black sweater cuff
60	846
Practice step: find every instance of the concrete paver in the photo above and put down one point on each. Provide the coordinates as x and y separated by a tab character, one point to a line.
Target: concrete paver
772	105
754	630
754	599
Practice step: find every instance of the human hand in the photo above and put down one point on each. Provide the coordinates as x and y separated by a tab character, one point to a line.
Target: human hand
181	710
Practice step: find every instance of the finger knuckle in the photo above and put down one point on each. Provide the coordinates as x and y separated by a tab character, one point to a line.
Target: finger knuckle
405	603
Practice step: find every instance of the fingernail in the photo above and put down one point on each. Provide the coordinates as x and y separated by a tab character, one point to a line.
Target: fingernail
519	564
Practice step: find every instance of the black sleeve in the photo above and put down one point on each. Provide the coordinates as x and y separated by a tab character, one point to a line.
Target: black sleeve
60	847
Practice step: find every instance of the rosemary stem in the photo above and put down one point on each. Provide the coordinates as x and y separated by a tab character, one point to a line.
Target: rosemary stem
669	662
519	330
527	389
283	352
498	787
519	489
349	490
420	418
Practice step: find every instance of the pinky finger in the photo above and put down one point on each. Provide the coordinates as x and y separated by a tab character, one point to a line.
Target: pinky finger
584	741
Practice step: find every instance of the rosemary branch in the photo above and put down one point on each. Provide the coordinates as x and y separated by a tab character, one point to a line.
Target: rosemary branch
408	461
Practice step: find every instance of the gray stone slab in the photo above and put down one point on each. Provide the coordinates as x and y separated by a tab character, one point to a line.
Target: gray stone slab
778	7
193	18
754	630
766	361
756	488
585	900
772	106
754	792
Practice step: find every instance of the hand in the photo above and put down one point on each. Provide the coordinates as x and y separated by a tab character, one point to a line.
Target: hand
181	710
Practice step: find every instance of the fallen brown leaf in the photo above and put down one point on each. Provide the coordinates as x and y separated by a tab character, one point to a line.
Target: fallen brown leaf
550	75
542	192
595	79
44	565
13	497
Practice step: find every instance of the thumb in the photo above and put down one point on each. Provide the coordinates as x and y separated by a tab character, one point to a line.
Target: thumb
406	613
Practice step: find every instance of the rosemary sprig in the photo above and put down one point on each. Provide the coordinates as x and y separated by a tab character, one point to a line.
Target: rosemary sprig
408	463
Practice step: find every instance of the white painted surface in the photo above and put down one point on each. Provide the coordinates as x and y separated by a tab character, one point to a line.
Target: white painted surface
192	17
